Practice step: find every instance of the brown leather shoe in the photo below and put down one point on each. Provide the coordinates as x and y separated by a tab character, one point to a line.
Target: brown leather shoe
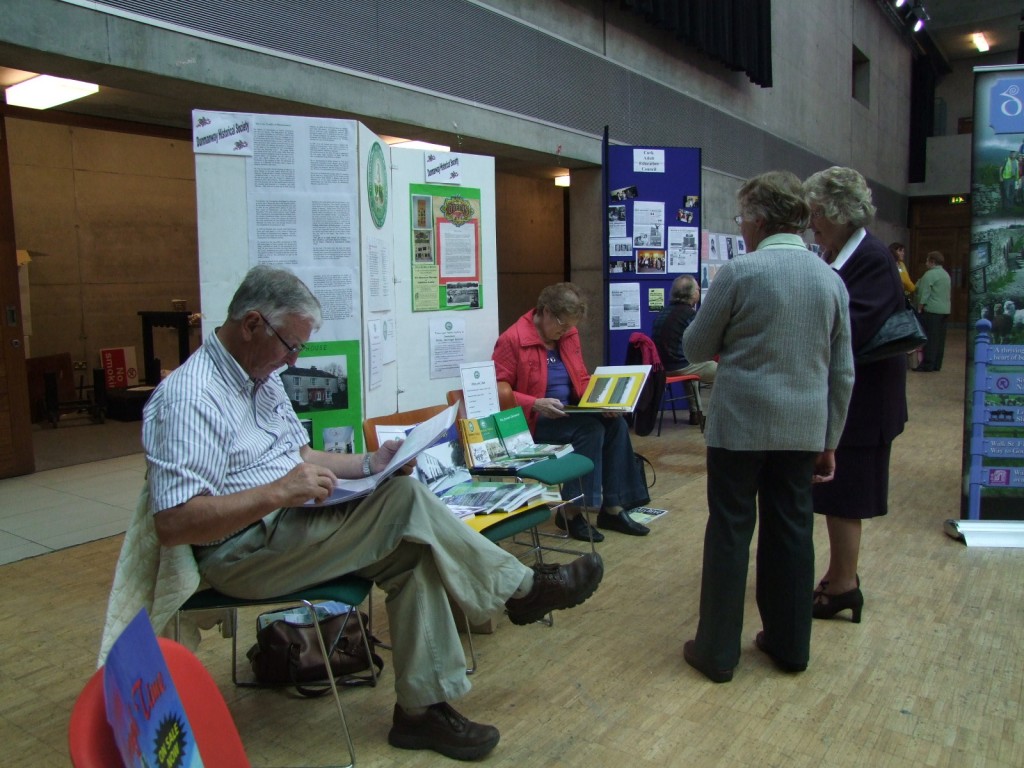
443	730
556	587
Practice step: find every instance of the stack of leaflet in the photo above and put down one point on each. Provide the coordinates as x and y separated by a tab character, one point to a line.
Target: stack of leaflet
476	498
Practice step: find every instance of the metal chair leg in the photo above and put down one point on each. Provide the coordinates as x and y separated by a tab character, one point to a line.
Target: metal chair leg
330	678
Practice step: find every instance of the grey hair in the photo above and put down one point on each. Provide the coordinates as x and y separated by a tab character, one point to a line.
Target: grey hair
564	301
684	288
275	294
777	197
843	194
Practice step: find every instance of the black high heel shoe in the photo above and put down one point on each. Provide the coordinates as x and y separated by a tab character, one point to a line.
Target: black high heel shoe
832	604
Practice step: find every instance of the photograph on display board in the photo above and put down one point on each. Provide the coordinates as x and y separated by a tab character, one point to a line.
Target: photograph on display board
650	262
446	248
691	201
622	266
617	221
317	386
624	193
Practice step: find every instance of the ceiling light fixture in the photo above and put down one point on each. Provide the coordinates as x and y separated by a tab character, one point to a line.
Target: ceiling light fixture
921	15
561	181
45	91
900	3
978	38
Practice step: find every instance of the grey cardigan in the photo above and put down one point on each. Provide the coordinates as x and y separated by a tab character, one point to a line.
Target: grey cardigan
778	318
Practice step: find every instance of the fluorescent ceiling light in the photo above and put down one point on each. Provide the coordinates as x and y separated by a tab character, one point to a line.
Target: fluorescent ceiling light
900	3
45	91
404	144
978	38
561	181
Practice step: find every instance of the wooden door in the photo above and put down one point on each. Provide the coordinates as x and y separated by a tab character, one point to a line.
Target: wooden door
16	456
937	225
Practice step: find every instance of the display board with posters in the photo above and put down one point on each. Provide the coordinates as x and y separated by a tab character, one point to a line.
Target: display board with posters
652	220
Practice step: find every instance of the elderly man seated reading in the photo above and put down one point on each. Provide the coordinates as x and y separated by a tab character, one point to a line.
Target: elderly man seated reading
230	468
669	326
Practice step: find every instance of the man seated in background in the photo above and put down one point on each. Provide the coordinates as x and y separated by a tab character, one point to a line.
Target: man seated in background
668	330
230	467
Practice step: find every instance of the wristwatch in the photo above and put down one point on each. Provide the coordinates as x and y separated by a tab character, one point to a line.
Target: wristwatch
367	470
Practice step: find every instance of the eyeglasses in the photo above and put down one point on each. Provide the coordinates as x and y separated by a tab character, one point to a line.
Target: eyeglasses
293	349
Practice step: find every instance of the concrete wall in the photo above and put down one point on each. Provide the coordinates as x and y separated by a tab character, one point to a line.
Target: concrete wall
110	222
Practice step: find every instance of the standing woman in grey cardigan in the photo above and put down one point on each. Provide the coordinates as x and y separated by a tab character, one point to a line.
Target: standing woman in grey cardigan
777	317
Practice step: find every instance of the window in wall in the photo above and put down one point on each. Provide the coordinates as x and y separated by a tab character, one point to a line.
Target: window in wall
861	77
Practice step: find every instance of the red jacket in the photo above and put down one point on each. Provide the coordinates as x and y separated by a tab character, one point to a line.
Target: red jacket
521	359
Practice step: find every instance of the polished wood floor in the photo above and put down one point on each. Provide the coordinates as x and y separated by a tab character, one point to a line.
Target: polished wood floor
931	677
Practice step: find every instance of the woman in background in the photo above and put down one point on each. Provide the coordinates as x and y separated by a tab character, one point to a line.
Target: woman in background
841	208
899	256
541	359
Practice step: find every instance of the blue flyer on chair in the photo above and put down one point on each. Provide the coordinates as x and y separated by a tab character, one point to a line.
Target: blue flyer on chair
143	707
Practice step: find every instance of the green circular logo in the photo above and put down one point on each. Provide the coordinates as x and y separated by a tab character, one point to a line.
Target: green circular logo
377	185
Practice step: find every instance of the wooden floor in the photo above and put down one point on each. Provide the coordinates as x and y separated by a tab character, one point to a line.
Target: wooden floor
932	677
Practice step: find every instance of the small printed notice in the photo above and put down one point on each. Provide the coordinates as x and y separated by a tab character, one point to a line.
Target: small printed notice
479	389
221	133
648	160
447	347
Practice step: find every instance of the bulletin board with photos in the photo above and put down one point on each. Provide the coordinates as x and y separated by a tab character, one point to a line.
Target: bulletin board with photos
653	226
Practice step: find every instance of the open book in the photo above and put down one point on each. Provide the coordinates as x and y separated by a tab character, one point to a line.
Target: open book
612	389
421	437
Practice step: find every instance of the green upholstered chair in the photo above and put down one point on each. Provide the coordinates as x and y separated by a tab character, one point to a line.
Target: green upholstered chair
351	590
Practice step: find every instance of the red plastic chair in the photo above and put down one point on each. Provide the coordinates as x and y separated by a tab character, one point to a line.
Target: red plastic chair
670	398
91	741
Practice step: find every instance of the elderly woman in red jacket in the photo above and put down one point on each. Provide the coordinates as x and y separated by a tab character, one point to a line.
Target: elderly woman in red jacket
541	359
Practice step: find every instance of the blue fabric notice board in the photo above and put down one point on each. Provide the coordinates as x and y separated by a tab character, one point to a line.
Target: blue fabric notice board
652	235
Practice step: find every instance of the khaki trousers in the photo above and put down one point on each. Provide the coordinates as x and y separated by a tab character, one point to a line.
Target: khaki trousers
407	542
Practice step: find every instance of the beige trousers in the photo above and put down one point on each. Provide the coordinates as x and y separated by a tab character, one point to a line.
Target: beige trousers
405	541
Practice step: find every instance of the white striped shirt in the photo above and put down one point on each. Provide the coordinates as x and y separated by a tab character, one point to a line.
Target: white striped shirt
210	429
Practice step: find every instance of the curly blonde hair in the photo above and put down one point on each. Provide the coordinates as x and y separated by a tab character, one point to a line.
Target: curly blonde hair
843	195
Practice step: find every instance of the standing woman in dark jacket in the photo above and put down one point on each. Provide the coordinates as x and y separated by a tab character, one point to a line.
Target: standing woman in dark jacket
841	207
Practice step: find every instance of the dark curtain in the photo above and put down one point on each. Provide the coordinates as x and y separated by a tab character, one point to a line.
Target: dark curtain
737	33
922	116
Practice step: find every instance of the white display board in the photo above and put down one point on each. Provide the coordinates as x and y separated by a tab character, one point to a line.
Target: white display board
396	342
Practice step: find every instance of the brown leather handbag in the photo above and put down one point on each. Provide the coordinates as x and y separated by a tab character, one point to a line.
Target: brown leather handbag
287	653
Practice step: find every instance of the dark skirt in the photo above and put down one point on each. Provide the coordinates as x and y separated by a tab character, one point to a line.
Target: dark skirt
860	488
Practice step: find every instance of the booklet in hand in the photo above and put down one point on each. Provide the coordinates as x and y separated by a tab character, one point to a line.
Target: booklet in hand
421	437
612	389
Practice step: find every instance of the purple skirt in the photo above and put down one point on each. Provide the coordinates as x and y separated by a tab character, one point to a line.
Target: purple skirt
860	488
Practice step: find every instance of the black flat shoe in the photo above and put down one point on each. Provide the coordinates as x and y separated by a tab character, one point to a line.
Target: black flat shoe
782	664
578	528
714	675
622	523
826	606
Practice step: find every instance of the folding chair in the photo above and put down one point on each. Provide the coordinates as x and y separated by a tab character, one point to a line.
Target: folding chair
670	398
351	590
